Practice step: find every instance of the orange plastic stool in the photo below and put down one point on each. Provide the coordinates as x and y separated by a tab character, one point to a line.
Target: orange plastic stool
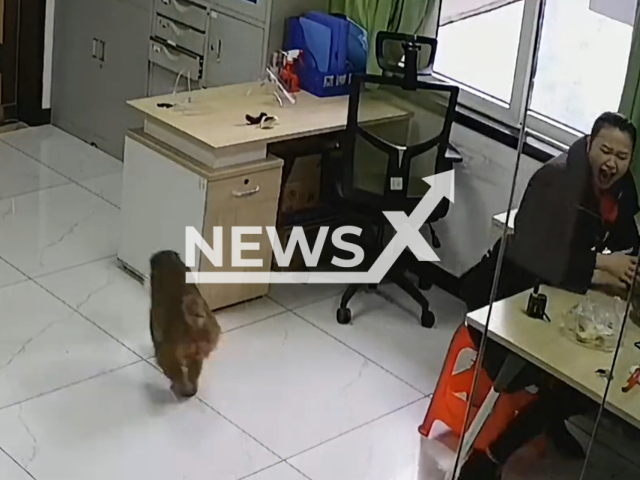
451	398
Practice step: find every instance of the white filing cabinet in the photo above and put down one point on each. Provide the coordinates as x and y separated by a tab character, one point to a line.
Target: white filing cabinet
164	192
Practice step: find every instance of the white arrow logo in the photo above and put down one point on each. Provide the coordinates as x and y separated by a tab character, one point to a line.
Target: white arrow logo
407	236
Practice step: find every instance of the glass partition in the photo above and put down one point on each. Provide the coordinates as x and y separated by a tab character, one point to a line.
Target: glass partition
616	424
550	347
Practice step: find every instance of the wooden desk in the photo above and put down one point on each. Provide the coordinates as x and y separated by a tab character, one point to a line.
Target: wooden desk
198	164
544	345
212	127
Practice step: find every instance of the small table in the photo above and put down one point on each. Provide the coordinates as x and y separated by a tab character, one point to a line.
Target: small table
543	344
498	222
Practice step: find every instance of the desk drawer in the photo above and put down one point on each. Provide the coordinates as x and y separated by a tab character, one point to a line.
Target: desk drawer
246	189
175	60
184	12
163	82
242	200
178	34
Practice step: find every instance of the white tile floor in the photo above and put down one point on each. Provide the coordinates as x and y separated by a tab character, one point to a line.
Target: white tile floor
289	395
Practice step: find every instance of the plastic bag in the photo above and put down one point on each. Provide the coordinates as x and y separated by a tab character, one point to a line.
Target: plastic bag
596	323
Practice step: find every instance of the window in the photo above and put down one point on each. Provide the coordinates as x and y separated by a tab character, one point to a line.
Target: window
487	47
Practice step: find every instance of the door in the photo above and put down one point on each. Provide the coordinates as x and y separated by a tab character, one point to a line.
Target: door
236	51
76	67
8	60
124	71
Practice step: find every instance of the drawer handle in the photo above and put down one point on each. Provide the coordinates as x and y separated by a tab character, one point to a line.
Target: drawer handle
171	26
246	193
177	31
165	50
179	6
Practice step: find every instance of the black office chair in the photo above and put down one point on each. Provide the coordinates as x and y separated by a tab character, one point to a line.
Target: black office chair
388	161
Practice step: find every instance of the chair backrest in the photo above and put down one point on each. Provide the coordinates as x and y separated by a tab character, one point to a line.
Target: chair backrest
390	53
383	163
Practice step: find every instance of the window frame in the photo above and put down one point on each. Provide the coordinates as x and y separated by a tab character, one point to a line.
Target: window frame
547	127
511	114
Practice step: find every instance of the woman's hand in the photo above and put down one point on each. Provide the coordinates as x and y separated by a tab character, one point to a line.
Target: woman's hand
608	284
620	266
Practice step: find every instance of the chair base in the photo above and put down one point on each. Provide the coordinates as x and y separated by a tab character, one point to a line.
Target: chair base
427	318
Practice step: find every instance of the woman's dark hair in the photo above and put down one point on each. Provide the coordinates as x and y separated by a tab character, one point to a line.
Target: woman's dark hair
618	121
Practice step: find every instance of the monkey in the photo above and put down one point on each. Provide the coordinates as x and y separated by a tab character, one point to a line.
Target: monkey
184	331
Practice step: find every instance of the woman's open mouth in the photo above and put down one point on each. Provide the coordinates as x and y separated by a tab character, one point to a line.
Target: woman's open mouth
605	177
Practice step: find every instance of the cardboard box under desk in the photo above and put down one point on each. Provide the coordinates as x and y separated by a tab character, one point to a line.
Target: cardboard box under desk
302	190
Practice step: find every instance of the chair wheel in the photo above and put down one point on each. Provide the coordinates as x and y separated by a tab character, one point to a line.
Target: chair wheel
343	315
428	319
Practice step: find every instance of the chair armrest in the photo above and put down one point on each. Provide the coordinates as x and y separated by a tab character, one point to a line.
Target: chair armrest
453	155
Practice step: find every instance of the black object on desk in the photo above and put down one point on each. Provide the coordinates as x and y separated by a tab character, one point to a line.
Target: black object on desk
390	160
537	305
